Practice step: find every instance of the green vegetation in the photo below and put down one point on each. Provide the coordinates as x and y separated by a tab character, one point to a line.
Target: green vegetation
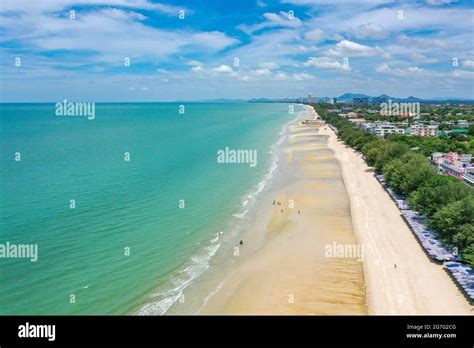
428	145
447	203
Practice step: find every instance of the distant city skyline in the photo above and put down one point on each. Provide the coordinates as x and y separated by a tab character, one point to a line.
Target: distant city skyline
143	50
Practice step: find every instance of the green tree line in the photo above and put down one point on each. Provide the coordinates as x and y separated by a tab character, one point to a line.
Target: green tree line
447	203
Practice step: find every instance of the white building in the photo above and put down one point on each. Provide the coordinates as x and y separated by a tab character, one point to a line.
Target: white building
422	130
382	129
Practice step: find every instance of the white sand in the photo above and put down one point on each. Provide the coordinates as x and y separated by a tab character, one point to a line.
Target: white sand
416	285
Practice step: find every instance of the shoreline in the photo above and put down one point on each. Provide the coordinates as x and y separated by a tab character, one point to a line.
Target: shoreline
203	285
282	268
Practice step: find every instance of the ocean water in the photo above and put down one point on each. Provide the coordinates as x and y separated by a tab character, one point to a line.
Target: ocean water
128	246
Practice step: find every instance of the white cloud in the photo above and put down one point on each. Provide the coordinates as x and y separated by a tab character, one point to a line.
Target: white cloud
464	74
194	63
306	49
303	77
48	6
223	69
269	65
369	31
440	2
326	63
272	46
282	19
410	71
468	63
109	35
421	42
197	69
262	72
316	35
421	58
346	48
280	76
444	19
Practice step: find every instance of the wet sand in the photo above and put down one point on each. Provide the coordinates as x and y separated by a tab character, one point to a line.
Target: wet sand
289	273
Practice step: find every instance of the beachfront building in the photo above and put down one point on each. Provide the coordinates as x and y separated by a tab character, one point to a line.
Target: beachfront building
454	164
381	129
422	130
468	177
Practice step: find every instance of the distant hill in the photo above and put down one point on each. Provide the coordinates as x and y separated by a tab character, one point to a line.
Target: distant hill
348	97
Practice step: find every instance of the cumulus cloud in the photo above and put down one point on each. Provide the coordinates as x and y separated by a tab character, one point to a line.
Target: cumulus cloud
346	48
326	63
223	69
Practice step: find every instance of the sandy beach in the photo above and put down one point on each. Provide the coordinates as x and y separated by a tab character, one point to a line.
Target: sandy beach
416	285
288	273
337	201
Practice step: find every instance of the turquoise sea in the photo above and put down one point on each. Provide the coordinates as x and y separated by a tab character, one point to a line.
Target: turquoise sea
127	247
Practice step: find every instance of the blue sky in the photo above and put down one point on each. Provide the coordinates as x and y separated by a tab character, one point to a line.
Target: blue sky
234	49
